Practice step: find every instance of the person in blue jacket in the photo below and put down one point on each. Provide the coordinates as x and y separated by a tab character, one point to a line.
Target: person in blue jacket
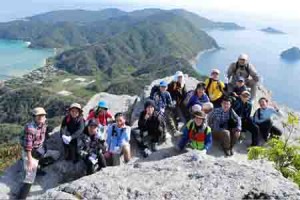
118	138
263	119
199	96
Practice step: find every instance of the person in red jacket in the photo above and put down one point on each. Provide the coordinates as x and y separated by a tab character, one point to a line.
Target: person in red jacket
101	113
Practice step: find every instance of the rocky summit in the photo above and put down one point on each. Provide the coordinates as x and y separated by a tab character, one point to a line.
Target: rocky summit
165	174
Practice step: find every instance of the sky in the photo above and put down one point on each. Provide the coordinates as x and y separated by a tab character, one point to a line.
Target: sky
278	9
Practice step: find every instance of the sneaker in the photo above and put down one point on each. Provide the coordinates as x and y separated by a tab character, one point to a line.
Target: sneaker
147	152
154	147
177	133
227	152
231	152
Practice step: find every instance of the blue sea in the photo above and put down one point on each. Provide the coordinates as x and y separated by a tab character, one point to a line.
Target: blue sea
264	49
16	59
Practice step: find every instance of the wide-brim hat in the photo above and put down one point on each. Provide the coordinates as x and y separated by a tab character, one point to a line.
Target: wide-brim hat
200	114
38	111
75	105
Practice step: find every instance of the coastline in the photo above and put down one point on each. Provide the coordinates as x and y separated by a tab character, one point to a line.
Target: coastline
42	64
194	61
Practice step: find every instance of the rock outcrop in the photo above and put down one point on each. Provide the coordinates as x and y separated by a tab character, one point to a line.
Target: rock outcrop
292	54
188	176
164	174
272	30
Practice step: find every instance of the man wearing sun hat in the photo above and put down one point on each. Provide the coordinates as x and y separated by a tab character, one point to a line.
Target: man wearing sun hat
34	152
196	133
243	107
242	68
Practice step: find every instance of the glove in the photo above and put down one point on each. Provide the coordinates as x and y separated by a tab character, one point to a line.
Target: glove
93	158
66	139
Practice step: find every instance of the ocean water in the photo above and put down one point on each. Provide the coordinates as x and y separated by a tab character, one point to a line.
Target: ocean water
281	77
16	59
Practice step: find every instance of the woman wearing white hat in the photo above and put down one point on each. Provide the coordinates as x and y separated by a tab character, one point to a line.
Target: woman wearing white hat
71	129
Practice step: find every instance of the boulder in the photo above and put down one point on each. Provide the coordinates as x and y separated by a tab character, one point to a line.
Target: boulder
187	176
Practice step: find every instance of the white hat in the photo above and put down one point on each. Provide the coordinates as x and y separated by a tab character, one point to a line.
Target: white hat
215	71
38	111
244	56
75	105
196	108
178	73
207	106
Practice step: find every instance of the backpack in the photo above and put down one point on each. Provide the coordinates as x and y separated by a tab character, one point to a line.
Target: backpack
154	89
246	67
188	96
209	84
258	112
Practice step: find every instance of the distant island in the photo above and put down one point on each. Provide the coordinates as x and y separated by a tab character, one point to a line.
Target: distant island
272	30
291	54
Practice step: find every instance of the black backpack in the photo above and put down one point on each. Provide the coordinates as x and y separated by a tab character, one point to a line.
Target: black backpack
154	89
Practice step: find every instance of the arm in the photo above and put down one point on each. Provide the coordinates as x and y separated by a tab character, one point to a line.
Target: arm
249	111
239	121
191	102
208	139
63	127
142	121
230	70
253	72
185	139
125	137
82	150
210	119
79	131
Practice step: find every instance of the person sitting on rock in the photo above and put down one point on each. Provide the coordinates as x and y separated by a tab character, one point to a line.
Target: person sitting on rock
215	89
263	119
226	126
92	148
165	106
239	87
177	90
101	113
207	108
242	68
151	129
71	129
196	133
34	152
118	137
243	109
199	97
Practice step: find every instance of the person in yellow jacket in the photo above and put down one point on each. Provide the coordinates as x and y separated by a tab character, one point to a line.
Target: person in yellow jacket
215	88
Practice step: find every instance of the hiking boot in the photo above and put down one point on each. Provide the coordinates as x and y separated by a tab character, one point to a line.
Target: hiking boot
227	152
154	147
147	152
231	152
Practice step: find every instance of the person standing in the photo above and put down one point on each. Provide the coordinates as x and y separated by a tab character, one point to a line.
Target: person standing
215	89
34	152
243	68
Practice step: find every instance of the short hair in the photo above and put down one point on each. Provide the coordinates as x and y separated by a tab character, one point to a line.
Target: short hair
263	98
119	114
226	99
